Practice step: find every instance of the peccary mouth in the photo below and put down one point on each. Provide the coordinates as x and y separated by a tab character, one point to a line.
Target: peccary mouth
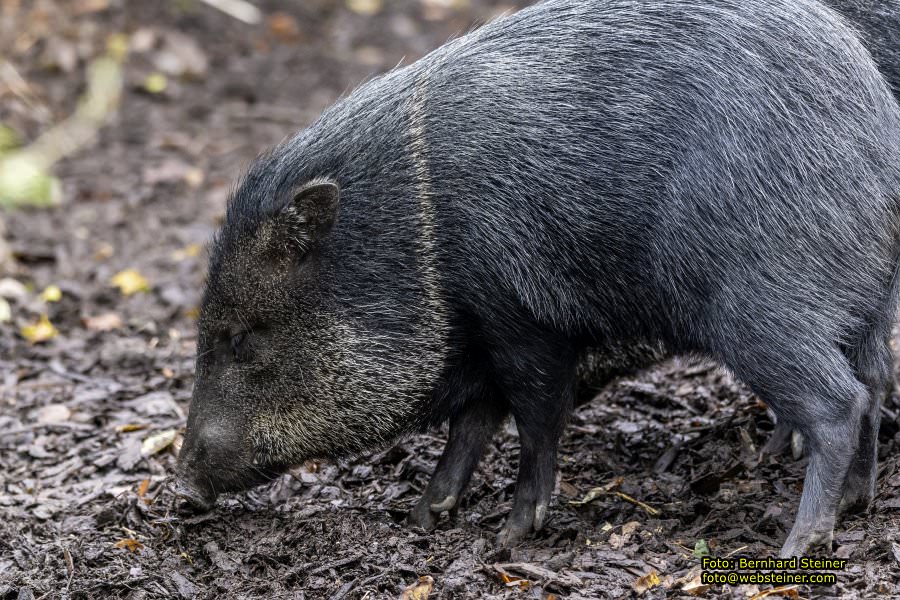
201	500
202	497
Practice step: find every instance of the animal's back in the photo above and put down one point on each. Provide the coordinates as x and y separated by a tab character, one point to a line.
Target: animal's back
653	160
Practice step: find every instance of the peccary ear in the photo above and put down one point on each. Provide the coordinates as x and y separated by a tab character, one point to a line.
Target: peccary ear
312	211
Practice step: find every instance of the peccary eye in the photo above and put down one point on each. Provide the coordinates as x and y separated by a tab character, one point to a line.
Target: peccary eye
238	346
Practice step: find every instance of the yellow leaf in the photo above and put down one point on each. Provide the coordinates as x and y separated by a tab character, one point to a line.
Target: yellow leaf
365	7
130	281
646	582
51	293
24	181
130	544
9	139
419	590
156	83
130	427
189	251
117	46
158	441
41	331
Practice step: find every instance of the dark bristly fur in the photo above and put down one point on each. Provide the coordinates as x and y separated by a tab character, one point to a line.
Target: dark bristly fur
877	23
719	177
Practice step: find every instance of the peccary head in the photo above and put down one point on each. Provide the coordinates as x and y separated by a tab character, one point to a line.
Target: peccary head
320	333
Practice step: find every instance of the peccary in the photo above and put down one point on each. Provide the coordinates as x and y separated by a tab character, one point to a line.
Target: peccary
720	177
878	25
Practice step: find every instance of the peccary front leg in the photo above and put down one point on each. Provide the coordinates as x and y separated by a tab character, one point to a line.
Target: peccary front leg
471	429
537	473
541	395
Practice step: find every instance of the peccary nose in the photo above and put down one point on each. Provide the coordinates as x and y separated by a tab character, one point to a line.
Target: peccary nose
208	456
200	498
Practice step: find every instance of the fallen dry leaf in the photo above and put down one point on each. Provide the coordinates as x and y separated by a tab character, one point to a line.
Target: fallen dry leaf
117	46
786	591
53	413
12	289
180	57
173	171
189	251
693	584
105	322
610	489
419	590
129	544
284	27
131	427
83	7
51	293
157	442
194	177
5	311
156	83
510	580
365	7
40	331
438	10
104	250
142	491
130	281
646	582
239	9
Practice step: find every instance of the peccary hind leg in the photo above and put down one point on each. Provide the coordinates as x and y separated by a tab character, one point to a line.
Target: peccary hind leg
813	389
471	430
874	368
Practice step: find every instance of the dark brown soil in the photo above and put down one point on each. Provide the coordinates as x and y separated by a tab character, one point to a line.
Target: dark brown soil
84	514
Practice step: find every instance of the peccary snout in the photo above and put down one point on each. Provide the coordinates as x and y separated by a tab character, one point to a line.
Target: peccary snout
215	459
